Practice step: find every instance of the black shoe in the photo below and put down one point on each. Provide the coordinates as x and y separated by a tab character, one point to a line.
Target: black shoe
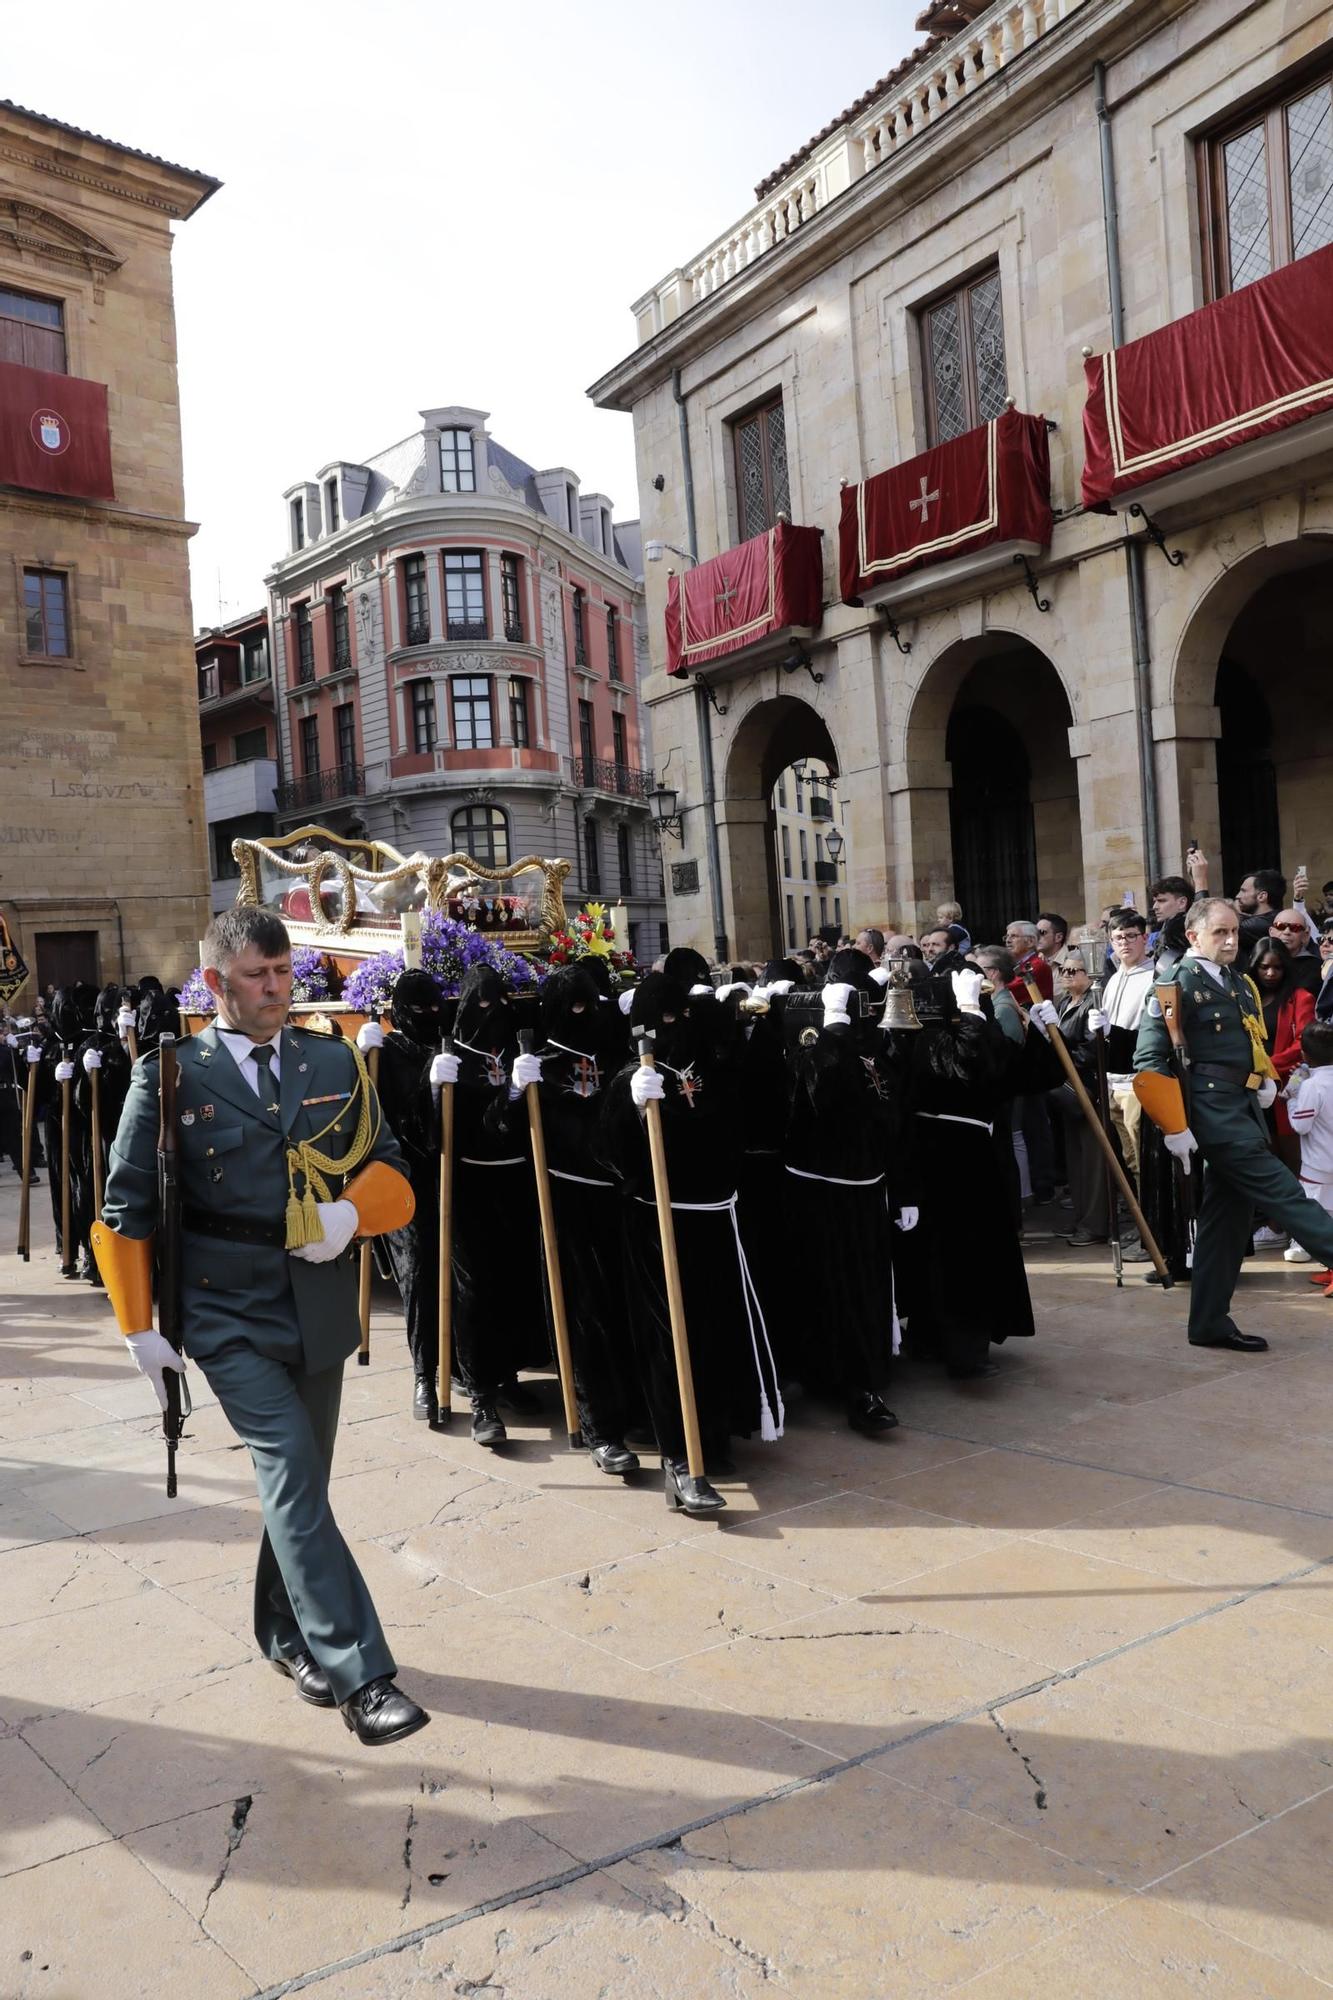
524	1402
312	1683
870	1414
690	1496
424	1406
382	1713
614	1457
486	1426
1240	1343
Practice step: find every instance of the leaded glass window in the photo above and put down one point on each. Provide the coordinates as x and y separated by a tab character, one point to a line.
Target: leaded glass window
763	490
1268	187
966	377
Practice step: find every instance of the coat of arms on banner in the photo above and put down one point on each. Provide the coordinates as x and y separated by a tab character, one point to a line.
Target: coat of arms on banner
13	971
50	431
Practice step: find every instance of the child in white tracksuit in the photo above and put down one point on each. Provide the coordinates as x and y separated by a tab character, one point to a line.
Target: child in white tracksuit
1310	1109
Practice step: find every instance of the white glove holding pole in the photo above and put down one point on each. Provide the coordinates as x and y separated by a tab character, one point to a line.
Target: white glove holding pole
11	1041
779	986
625	1000
92	1060
836	1002
34	1052
370	1037
879	975
908	1218
967	986
1097	1022
1266	1093
152	1357
125	1020
1180	1145
340	1221
647	1085
64	1072
527	1069
443	1069
1044	1016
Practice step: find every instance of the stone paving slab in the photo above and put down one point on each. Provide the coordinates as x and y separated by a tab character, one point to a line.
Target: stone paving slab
1031	1697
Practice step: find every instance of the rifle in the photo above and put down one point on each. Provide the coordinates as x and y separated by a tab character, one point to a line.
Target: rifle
66	1228
366	1267
29	1125
169	1255
1167	996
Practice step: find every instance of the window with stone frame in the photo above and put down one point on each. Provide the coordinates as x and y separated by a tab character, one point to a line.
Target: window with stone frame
592	856
481	832
457	466
416	597
511	597
32	331
620	747
464	594
46	614
423	716
1266	181
962	357
520	725
344	731
763	489
309	736
624	860
305	644
578	606
332	517
470	700
340	628
613	643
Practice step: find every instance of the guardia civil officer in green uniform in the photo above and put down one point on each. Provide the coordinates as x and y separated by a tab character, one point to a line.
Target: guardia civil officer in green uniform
1231	1083
283	1159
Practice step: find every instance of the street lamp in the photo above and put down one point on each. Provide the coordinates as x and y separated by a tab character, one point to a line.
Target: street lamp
835	843
654	550
799	767
663	805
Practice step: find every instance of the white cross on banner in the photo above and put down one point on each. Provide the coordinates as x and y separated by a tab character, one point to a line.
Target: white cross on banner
922	503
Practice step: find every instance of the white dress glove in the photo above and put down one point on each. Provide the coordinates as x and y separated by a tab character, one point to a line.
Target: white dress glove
967	986
34	1052
125	1020
646	1086
779	986
1096	1021
702	992
152	1357
625	1000
64	1072
369	1037
908	1218
1180	1145
11	1041
340	1221
836	1000
1266	1093
879	975
443	1069
736	986
92	1059
527	1069
1044	1017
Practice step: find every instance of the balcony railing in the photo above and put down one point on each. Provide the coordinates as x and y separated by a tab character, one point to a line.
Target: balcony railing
820	807
599	774
418	631
466	628
342	655
826	874
321	788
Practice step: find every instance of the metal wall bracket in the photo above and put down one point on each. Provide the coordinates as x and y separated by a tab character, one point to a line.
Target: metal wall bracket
904	645
797	659
1175	557
713	701
1030	577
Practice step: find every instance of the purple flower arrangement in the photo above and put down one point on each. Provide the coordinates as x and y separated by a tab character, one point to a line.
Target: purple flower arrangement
448	949
310	982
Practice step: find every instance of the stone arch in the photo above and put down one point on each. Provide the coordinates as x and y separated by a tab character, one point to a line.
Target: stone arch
771	734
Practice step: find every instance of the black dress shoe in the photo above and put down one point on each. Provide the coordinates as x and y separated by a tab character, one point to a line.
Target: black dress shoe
424	1406
524	1402
312	1683
382	1713
690	1496
1239	1343
868	1413
486	1426
614	1457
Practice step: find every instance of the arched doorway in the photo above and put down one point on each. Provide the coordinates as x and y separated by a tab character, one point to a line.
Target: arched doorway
990	819
772	738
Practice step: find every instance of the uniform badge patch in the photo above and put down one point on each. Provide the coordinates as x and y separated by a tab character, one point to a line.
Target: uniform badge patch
187	1118
205	1112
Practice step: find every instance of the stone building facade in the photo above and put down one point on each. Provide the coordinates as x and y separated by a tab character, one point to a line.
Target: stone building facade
1040	181
238	734
102	852
457	641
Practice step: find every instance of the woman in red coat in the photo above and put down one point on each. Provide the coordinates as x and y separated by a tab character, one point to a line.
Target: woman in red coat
1287	1008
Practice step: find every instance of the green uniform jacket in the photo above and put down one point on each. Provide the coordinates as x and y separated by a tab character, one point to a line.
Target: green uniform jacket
233	1162
1212	1019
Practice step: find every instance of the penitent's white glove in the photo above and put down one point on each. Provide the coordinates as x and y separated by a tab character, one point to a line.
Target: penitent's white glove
646	1086
443	1069
152	1357
64	1072
1266	1093
625	1000
702	992
1180	1145
908	1218
1044	1017
370	1037
1096	1021
527	1069
340	1221
34	1052
779	986
735	986
967	985
879	975
836	1000
11	1041
125	1020
92	1059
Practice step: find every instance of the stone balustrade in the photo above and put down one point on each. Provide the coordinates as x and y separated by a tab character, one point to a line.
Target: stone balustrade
1003	32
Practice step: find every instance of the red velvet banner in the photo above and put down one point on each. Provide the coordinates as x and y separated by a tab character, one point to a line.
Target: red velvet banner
993	484
53	434
1254	362
768	583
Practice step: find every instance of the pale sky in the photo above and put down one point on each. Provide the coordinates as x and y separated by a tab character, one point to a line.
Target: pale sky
426	202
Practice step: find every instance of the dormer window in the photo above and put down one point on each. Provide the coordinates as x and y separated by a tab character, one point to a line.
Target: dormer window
332	516
298	525
457	467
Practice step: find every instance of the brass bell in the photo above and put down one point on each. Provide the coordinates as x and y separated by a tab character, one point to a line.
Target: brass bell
899	1012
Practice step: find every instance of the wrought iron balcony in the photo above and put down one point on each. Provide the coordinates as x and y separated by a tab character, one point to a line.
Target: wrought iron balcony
418	631
826	874
321	788
820	807
599	774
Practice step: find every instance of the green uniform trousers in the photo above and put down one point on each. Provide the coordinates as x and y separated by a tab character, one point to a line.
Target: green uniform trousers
309	1594
1244	1181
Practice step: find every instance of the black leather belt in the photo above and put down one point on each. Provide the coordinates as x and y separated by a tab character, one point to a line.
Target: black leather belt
261	1235
1244	1079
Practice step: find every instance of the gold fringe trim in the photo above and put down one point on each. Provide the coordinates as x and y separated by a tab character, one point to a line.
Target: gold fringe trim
305	1160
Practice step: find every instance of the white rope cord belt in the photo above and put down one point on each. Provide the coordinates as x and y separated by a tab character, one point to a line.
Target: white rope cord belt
583	1180
465	1160
952	1118
769	1431
835	1180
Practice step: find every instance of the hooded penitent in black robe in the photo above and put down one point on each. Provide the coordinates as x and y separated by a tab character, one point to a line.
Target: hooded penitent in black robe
582	1046
765	1095
419	1015
499	1319
968	1284
113	1082
72	1017
845	1182
735	1381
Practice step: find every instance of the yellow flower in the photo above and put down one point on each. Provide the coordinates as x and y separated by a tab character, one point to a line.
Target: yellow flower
598	946
595	911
